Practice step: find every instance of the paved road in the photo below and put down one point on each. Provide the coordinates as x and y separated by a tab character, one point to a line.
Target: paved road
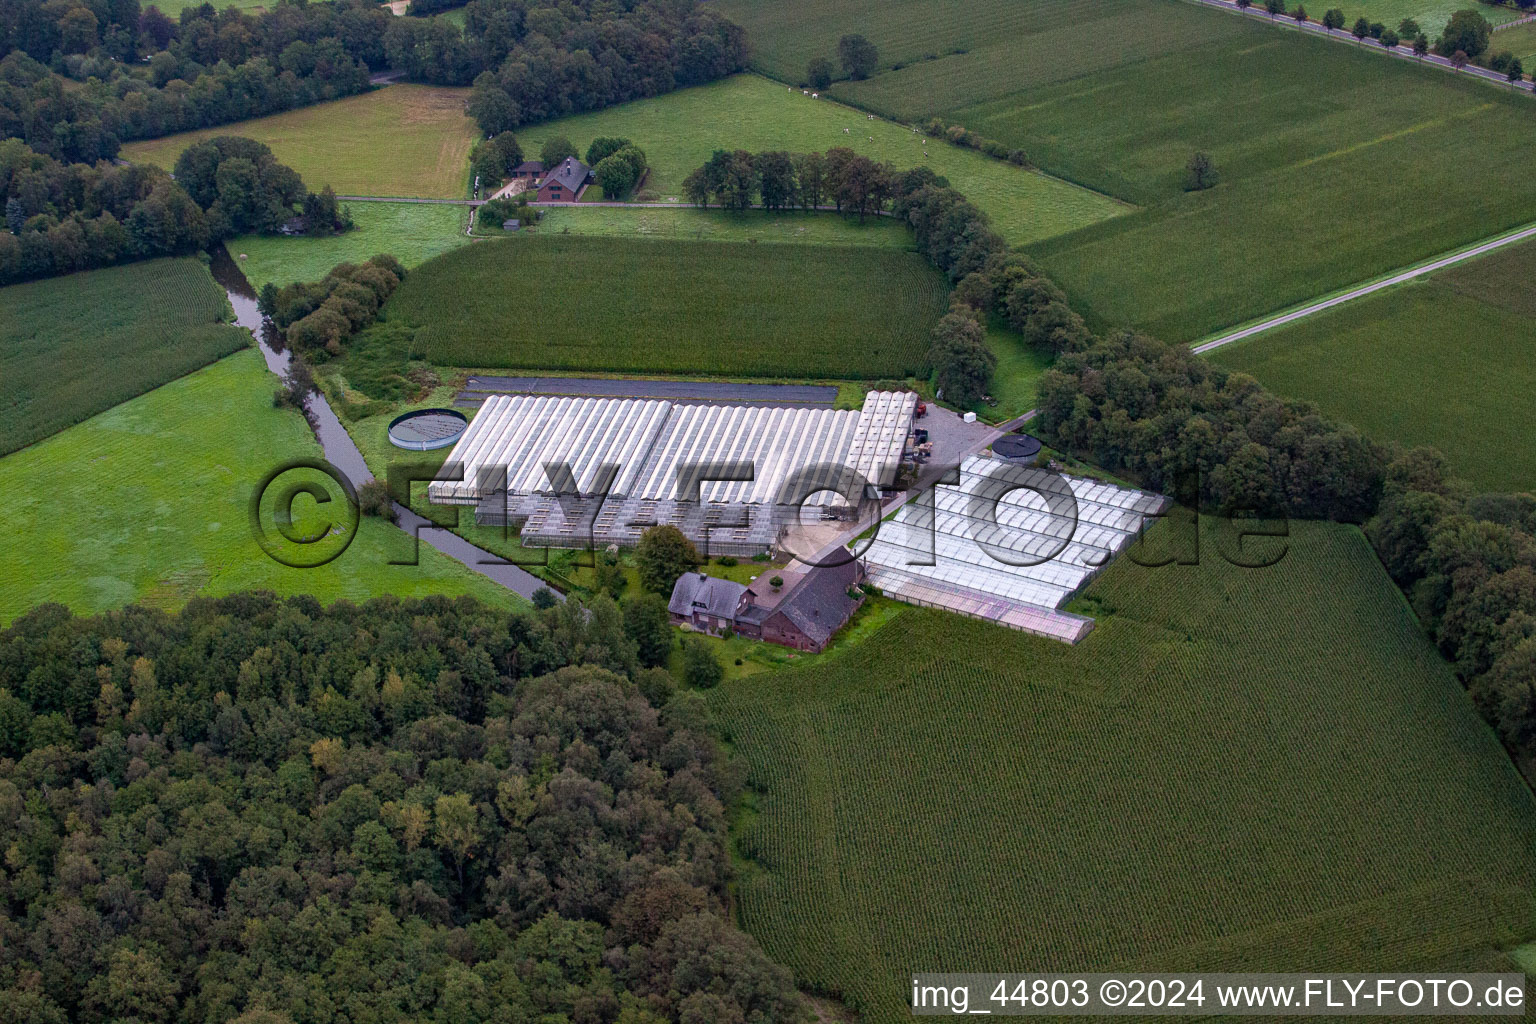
1404	51
1376	286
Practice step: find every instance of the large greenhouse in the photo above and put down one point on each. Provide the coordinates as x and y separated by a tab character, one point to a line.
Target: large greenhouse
1009	543
574	471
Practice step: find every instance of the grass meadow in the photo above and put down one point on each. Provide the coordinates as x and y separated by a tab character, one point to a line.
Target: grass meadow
1335	164
411	232
73	346
1238	770
1519	40
339	143
678	132
752	226
1449	362
638	305
1430	14
173	8
149	502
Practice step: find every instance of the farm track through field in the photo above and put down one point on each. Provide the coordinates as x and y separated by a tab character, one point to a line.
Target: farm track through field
1460	256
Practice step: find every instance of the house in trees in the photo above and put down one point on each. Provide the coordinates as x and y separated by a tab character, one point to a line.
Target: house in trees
565	182
706	603
807	611
803	613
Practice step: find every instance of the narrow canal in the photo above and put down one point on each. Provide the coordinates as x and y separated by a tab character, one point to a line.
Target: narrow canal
339	448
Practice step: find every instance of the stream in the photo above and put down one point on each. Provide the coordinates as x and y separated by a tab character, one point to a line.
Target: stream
339	448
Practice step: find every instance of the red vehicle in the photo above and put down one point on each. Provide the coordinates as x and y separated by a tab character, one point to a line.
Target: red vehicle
922	408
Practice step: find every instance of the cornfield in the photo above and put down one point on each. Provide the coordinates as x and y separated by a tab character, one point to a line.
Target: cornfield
1237	770
644	306
73	346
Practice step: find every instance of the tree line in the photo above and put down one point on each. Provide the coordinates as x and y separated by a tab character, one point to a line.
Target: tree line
266	811
1467	562
950	232
143	74
161	76
317	316
739	180
64	217
530	63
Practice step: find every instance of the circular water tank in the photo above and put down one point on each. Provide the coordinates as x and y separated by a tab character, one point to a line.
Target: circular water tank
1016	448
426	429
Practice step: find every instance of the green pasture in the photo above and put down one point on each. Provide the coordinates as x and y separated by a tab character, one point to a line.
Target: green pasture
1313	149
678	132
1519	40
149	502
411	232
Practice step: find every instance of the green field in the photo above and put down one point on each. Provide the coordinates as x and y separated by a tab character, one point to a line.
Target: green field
149	502
401	140
1265	770
173	8
73	346
1519	40
411	232
695	225
1430	14
1449	361
637	305
678	132
1313	142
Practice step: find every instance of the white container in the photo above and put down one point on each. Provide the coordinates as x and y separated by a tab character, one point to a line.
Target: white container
969	417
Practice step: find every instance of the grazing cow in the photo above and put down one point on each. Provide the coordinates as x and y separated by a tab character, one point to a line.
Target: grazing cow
845	131
805	92
814	95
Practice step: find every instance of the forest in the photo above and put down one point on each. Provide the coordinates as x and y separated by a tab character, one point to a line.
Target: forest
266	811
145	75
61	218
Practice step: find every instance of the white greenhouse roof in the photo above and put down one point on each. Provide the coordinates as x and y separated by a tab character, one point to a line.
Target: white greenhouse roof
1018	534
776	442
526	434
884	424
793	452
